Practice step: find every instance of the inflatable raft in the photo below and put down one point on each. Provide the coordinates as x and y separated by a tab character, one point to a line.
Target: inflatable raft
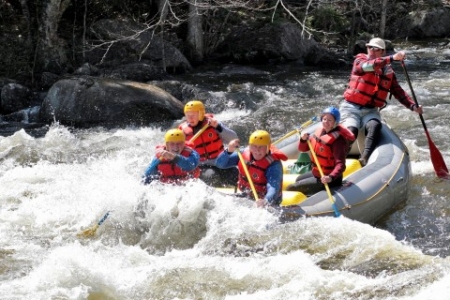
368	192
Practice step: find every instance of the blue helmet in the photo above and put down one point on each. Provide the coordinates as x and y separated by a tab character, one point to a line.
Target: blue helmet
333	111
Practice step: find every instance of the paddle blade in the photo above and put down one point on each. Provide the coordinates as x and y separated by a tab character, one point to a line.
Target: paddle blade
437	160
90	232
436	157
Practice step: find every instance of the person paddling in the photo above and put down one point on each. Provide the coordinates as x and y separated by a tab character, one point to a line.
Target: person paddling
330	143
209	144
174	162
263	165
371	80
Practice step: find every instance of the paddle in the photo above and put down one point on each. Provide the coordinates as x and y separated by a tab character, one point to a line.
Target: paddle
244	166
327	188
199	132
436	157
90	232
297	130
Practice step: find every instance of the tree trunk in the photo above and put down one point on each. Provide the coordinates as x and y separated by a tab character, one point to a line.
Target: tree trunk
353	30
27	15
383	18
163	9
52	51
195	33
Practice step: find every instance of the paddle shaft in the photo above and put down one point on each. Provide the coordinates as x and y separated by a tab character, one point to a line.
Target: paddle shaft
414	96
327	188
103	219
199	132
436	157
307	123
249	178
91	231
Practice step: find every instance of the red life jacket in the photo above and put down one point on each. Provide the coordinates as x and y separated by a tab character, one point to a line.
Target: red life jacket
371	88
209	144
170	172
257	170
322	148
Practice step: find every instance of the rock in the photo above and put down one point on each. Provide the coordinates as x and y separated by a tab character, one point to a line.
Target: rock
423	24
134	42
14	97
48	79
89	101
269	43
28	116
87	69
136	71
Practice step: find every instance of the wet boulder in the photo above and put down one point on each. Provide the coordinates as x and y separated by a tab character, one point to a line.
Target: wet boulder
280	42
14	97
90	101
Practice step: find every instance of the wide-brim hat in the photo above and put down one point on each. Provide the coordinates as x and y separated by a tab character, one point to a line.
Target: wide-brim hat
377	42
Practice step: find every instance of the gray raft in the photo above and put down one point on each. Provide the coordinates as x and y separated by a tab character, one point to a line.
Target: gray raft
367	194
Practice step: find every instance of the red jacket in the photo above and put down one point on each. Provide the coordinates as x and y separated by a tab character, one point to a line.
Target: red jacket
257	170
330	148
171	173
209	144
371	88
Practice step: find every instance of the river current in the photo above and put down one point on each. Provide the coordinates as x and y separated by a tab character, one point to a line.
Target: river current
192	242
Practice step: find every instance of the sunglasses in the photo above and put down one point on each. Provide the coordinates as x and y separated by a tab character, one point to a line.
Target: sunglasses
375	49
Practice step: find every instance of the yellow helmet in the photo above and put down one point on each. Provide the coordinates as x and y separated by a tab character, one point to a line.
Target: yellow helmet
196	105
174	135
260	138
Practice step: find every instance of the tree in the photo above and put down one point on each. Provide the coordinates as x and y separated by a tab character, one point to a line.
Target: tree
195	32
51	51
383	18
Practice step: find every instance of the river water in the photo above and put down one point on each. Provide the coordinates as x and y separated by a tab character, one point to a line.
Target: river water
191	242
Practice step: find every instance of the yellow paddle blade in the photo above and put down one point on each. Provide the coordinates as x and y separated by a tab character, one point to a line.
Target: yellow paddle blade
90	232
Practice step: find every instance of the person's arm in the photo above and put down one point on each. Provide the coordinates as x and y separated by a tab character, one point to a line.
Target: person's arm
227	159
274	175
187	163
302	144
225	133
401	95
363	64
151	173
339	148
